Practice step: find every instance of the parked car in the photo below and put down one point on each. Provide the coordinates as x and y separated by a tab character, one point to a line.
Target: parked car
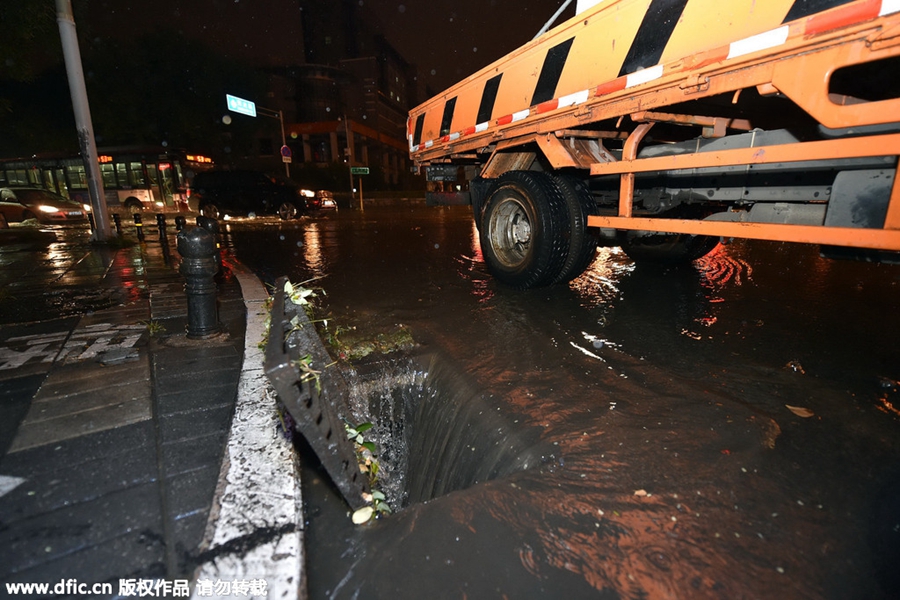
223	194
319	200
22	203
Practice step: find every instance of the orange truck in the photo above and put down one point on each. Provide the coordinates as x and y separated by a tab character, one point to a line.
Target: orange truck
663	126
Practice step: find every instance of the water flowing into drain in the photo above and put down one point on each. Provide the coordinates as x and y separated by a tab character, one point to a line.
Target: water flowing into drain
436	433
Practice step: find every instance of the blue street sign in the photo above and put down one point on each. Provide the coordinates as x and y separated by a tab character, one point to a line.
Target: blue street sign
239	105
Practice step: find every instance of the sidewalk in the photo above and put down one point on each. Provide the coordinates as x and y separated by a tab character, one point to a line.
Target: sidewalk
133	456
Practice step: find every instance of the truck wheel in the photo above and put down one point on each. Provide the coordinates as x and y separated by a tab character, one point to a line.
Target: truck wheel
133	204
667	249
583	241
524	230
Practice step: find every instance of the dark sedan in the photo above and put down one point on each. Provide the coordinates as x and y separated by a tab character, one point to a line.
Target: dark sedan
22	203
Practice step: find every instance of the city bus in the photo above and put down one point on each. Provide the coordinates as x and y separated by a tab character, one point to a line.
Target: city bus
134	179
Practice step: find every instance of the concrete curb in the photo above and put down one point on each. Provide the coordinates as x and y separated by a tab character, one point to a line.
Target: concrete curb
255	529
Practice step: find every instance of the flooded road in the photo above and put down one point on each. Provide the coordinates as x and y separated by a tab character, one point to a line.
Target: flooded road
728	430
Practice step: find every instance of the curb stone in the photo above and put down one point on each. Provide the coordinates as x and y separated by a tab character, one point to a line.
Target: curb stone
255	529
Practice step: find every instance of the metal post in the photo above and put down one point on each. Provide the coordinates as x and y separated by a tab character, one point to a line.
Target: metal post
118	221
161	226
139	226
83	124
198	266
212	226
180	222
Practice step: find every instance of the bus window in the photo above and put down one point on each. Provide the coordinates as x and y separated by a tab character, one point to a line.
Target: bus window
17	177
108	175
153	182
122	175
136	175
48	184
166	185
76	176
63	189
34	177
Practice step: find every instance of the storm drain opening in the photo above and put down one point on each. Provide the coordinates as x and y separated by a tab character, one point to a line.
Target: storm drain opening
420	419
434	431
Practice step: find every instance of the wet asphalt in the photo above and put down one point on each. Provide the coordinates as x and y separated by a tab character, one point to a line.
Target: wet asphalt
728	430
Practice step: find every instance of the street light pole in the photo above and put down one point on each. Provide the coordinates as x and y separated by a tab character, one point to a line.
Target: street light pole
83	124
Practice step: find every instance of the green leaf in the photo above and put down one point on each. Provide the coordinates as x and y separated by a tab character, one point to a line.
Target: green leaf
363	427
370	446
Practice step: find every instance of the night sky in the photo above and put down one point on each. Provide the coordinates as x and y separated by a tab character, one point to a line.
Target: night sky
447	40
451	39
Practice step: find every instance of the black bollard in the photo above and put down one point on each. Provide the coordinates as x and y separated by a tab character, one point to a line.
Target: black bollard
197	247
139	226
118	221
212	226
161	226
180	222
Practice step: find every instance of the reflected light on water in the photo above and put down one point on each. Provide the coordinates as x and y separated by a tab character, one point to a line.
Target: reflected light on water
718	269
474	269
312	243
599	284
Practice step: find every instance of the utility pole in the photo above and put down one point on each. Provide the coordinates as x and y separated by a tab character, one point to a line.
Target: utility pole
86	143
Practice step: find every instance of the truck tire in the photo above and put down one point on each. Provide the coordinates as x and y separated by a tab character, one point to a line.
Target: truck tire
667	249
583	241
524	232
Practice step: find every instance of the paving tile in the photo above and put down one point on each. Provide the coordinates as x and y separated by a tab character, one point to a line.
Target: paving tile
15	398
191	455
74	453
96	374
188	532
187	425
50	431
135	554
197	379
186	397
50	536
51	490
192	491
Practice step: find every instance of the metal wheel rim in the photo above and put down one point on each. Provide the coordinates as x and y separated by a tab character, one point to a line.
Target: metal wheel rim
286	211
510	232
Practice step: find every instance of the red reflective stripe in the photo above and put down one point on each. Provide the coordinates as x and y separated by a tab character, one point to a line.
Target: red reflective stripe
612	86
843	16
504	120
701	59
445	139
547	106
468	130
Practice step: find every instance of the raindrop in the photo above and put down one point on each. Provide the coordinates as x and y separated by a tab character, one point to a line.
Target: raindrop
475	49
401	8
436	246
